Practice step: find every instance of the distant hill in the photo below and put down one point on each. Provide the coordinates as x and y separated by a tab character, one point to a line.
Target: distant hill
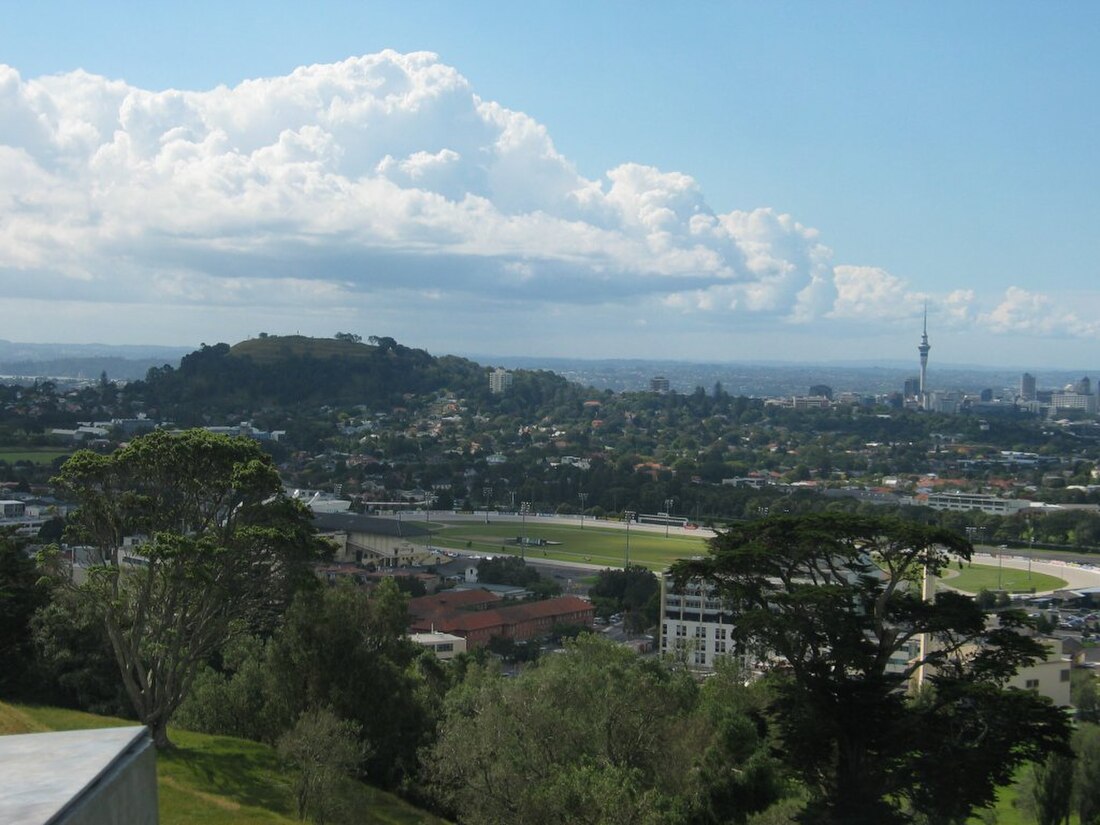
289	371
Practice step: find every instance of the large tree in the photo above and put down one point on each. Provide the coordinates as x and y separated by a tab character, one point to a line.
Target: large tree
223	550
835	602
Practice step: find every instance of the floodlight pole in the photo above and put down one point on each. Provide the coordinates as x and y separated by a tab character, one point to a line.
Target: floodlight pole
523	508
584	498
668	514
629	518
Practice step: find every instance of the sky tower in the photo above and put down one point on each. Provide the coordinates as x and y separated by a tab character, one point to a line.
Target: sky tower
923	350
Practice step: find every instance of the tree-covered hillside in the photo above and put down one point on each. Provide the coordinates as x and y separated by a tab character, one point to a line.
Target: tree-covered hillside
294	370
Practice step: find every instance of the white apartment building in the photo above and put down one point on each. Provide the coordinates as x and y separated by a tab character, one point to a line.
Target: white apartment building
696	625
499	381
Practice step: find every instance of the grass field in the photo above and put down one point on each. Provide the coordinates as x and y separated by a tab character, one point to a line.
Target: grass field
35	455
217	780
592	545
977	577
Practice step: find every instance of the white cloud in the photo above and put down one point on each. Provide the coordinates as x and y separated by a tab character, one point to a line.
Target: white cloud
339	183
867	292
1033	313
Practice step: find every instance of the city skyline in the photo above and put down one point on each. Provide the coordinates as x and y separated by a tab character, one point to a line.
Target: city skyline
732	183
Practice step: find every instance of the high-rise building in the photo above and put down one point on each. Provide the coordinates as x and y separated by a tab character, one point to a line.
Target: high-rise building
923	350
912	388
1027	387
659	384
1084	386
822	391
499	381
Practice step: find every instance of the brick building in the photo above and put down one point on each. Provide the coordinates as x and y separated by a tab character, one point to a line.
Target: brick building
475	616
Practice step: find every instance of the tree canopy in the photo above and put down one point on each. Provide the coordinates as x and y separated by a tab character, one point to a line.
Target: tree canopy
189	540
600	735
834	603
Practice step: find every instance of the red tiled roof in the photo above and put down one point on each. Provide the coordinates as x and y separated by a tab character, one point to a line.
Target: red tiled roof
455	620
546	608
450	600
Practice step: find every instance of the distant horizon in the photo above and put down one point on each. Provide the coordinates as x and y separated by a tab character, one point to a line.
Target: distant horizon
487	359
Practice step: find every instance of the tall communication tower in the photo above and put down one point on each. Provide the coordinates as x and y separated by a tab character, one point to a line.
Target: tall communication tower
923	350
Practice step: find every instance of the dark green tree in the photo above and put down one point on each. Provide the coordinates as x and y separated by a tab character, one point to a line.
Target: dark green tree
345	649
20	597
1086	774
633	590
836	597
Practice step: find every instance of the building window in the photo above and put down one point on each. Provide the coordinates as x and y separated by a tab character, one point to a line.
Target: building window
1064	675
700	632
1032	684
681	630
719	647
445	647
700	657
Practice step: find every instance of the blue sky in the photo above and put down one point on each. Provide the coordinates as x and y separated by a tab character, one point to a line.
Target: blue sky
858	159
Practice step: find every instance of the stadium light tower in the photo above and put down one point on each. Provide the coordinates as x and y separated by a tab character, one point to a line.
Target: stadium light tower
629	518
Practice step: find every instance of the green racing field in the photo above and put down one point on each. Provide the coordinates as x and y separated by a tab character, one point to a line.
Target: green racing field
975	577
599	545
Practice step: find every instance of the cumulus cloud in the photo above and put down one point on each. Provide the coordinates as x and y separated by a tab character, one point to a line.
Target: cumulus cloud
1024	312
871	292
337	183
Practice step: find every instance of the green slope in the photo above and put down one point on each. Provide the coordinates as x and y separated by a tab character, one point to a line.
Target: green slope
216	780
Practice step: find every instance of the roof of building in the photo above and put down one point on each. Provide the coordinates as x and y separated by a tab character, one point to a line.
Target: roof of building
450	600
456	567
47	774
547	608
507	591
373	525
433	637
466	621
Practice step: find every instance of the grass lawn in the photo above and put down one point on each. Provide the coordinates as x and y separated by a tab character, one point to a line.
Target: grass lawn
975	577
35	455
217	780
592	545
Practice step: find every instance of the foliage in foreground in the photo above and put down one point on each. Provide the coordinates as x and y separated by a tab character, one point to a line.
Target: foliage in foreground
598	735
